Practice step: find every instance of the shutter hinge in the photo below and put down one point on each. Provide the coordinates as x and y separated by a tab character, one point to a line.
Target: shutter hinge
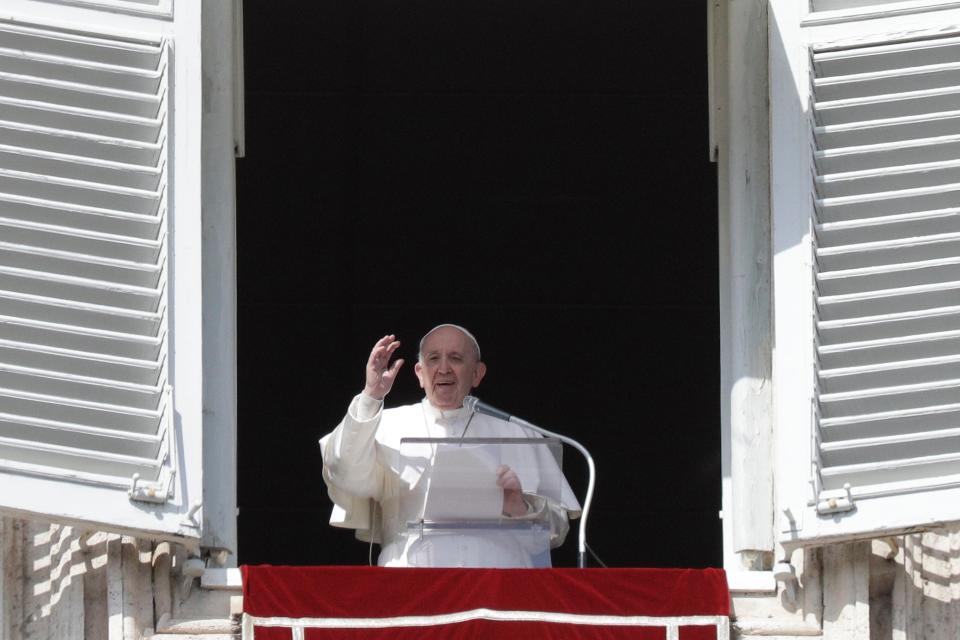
835	501
156	492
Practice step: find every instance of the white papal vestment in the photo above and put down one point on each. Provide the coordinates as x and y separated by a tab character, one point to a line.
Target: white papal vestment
374	495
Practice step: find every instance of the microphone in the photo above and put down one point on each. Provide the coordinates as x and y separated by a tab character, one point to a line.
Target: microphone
476	406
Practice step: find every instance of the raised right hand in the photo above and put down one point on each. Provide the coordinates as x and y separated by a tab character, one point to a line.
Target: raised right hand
380	374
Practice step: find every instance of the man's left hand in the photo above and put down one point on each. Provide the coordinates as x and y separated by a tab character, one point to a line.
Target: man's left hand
513	502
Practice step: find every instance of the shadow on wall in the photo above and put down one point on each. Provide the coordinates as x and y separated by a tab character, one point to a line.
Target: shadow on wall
925	595
57	578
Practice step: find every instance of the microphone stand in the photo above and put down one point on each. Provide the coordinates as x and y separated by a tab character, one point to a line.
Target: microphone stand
475	405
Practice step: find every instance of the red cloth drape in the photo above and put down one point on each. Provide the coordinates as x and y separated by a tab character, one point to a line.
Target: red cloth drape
361	594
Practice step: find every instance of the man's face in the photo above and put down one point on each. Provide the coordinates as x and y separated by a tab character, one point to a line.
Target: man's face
449	368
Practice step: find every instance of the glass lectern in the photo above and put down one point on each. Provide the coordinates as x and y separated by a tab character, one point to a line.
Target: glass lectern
451	508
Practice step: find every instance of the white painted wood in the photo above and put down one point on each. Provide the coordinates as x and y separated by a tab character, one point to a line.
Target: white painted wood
186	356
841	11
239	114
53	81
895	268
87	17
791	208
92	331
219	277
881	29
160	8
747	275
719	137
879	253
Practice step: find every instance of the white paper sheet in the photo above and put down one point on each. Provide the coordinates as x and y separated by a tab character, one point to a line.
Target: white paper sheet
463	484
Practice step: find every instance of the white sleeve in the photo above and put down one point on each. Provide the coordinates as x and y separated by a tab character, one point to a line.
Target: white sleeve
350	468
555	515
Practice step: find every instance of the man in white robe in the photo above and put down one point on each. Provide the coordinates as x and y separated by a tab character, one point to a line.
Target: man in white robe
379	493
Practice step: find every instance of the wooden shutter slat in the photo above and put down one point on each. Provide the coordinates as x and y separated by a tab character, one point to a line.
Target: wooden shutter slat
888	349
71	458
96	268
68	288
887	105
82	430
126	52
119	443
888	178
81	314
886	83
880	475
888	130
882	57
890	229
32	210
80	144
846	161
888	203
139	375
58	115
83	339
883	399
62	385
90	170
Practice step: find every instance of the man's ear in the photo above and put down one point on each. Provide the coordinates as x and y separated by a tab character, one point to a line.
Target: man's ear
478	374
418	369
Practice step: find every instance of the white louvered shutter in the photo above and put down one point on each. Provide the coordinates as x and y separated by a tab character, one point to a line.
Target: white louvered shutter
89	427
869	270
888	265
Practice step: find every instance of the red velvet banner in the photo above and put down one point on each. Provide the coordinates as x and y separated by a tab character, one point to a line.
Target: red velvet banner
351	603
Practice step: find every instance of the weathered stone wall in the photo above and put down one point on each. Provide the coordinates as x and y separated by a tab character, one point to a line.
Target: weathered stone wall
59	583
897	588
926	593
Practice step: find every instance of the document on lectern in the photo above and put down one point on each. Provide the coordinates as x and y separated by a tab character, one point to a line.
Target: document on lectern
463	483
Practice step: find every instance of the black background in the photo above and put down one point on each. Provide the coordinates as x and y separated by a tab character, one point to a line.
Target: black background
536	170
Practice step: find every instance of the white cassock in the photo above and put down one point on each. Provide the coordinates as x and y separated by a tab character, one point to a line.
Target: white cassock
379	492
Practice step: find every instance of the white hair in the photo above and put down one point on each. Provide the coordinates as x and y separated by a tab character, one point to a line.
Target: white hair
473	341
